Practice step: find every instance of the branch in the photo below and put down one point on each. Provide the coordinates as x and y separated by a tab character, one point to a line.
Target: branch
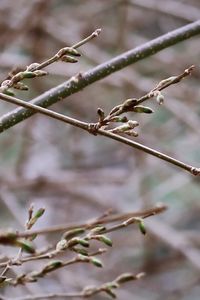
126	106
87	291
66	54
77	83
92	223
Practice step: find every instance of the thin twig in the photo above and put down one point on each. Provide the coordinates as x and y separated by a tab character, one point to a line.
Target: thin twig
86	292
92	223
87	127
33	70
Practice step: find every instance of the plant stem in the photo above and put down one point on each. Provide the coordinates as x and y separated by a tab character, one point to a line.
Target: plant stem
93	223
86	126
77	83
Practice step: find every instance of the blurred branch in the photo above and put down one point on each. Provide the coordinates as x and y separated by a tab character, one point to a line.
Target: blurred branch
77	83
105	220
66	54
87	291
172	8
176	240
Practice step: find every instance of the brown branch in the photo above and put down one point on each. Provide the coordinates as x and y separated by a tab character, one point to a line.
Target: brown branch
66	54
128	105
92	223
87	291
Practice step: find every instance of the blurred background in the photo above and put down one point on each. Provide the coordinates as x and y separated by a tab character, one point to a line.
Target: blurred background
77	176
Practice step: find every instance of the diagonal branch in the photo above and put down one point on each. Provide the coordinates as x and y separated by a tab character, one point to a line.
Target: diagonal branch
86	126
80	81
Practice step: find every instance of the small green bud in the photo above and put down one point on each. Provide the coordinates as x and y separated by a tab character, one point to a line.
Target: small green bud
129	103
8	92
68	50
35	217
101	114
142	227
124	278
105	240
28	74
83	258
33	237
166	81
71	233
26	246
98	229
123	119
110	293
143	109
96	262
72	51
39	212
84	243
32	67
81	251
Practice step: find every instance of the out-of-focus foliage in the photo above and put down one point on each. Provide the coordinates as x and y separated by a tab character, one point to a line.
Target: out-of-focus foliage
75	175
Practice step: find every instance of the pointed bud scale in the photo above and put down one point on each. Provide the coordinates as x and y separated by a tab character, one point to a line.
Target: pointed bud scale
68	59
98	229
101	114
71	233
28	74
84	243
96	262
110	293
129	103
123	119
25	245
39	73
105	240
34	219
32	67
124	278
68	50
39	212
81	251
33	237
142	227
143	109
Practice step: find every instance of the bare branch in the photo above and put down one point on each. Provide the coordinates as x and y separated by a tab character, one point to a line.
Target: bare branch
127	105
87	291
